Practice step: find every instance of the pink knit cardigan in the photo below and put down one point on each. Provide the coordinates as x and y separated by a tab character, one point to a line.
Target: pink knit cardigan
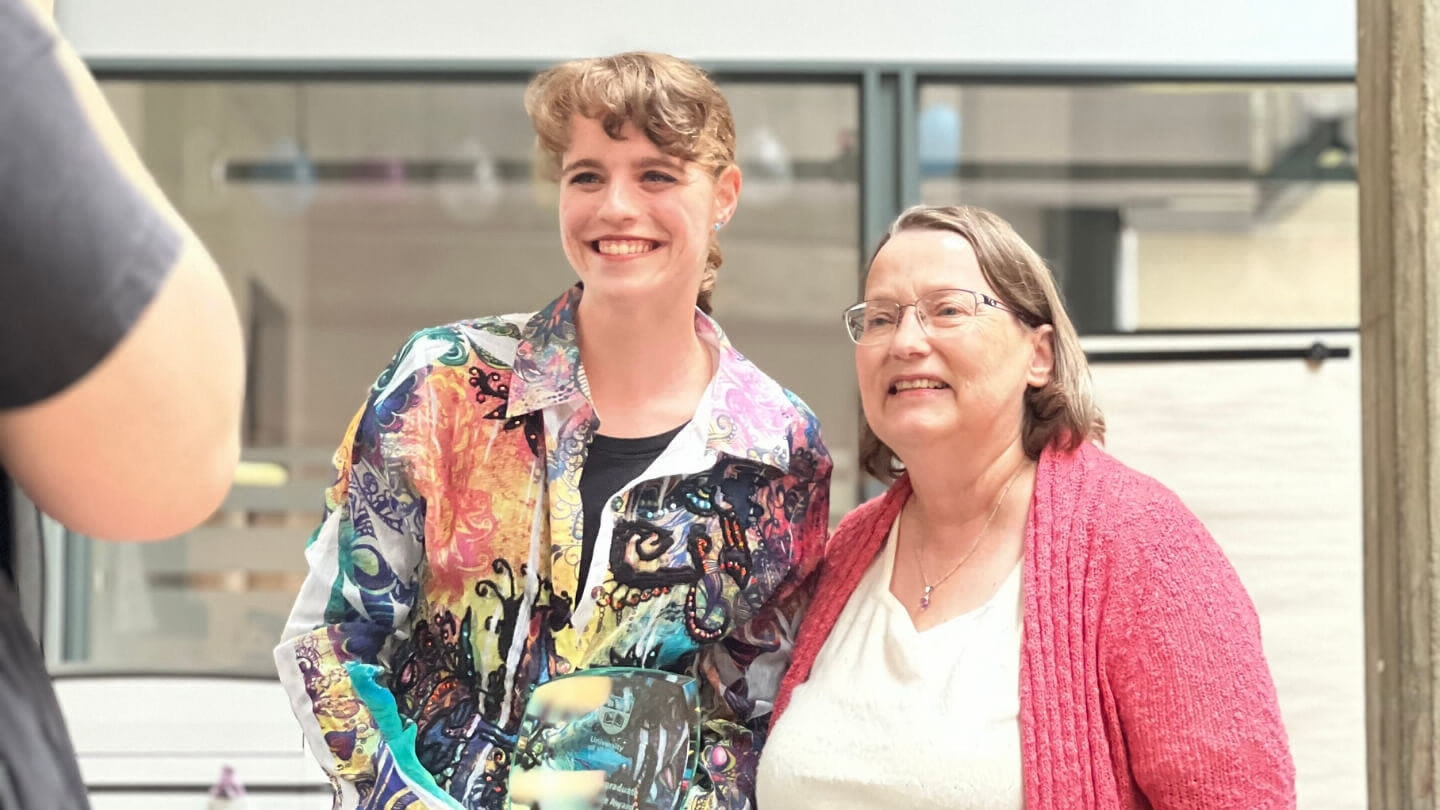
1142	679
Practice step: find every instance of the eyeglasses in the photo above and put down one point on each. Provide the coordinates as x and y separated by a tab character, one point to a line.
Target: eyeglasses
871	322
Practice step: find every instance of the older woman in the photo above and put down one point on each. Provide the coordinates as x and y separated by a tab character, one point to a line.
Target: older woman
1021	620
604	483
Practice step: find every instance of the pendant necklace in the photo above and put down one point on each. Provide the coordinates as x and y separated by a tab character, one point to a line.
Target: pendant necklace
920	550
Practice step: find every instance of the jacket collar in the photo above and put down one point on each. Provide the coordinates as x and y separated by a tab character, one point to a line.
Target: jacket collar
744	413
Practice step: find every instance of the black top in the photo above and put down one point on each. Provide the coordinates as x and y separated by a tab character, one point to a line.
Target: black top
82	253
610	465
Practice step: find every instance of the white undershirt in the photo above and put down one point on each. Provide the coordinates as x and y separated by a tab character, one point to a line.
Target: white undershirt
891	717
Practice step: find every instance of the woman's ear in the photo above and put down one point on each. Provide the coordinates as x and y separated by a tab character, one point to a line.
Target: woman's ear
1042	357
727	193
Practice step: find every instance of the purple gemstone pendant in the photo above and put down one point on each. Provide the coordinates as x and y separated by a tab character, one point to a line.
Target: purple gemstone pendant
925	597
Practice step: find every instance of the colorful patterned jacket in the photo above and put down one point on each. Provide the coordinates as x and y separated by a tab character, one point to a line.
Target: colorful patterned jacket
444	584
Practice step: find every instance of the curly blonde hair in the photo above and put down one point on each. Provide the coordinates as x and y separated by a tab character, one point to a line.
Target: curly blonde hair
673	102
1062	412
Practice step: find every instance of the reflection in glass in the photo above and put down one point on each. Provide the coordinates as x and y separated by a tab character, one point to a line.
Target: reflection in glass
1147	199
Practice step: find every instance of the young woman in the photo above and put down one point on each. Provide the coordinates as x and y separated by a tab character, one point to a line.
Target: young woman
605	482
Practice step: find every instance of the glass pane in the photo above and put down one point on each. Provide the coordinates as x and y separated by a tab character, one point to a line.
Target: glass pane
346	215
1164	206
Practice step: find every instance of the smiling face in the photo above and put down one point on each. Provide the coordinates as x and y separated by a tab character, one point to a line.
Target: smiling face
962	384
636	223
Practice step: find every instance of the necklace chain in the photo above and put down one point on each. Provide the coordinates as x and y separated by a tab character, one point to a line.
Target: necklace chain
920	547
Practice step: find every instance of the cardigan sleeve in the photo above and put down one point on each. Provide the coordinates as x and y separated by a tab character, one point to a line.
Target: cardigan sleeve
1194	696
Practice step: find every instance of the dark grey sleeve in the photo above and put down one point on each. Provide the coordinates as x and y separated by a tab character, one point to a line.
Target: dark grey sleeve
81	250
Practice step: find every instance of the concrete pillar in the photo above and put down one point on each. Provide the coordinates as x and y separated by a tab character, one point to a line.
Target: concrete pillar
1399	142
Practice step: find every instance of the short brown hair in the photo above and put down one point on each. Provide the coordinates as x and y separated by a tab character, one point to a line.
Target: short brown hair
1061	413
673	102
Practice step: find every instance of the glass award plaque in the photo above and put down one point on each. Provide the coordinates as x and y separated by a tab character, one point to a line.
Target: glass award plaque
607	739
